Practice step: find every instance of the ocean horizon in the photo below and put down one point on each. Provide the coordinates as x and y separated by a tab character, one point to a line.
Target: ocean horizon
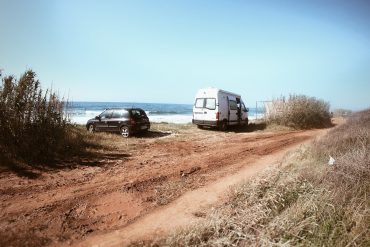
81	111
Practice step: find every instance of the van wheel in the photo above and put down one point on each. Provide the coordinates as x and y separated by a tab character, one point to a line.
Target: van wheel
223	125
91	128
125	131
200	126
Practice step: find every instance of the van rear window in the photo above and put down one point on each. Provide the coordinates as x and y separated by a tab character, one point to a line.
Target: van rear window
199	103
209	103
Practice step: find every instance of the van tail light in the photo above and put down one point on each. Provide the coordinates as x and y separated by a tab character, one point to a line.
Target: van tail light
218	115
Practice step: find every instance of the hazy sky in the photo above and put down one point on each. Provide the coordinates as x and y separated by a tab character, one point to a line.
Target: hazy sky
163	51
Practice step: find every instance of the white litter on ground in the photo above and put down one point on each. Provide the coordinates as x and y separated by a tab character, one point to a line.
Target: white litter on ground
331	161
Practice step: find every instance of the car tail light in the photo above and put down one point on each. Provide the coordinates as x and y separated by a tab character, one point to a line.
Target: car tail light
132	121
218	115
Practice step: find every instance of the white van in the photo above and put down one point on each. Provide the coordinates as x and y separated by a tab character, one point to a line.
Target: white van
219	108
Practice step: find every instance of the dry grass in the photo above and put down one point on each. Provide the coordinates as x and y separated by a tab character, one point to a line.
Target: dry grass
305	202
299	112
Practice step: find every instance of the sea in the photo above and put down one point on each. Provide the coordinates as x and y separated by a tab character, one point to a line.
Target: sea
80	112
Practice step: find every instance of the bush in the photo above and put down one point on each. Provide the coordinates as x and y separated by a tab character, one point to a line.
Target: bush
300	112
33	124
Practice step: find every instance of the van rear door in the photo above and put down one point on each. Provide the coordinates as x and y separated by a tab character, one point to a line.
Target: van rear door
198	110
209	111
204	111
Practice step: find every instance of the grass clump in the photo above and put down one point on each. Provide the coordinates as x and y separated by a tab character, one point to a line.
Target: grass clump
33	125
299	112
306	202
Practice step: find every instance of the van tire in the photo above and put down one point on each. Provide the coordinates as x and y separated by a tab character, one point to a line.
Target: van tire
200	126
223	125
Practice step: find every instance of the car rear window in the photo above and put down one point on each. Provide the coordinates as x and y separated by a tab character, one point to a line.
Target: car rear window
142	113
137	113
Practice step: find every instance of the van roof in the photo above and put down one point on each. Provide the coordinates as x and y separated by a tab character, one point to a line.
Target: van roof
216	90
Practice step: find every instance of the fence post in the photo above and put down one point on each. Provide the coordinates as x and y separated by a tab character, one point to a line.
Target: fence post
256	110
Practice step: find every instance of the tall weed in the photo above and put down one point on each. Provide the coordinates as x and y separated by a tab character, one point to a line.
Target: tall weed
33	124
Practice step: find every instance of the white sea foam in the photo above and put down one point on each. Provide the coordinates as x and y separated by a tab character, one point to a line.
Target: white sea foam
176	118
254	116
79	119
81	116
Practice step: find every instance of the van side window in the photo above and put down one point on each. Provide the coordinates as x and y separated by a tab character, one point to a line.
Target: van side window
210	104
199	103
233	105
244	108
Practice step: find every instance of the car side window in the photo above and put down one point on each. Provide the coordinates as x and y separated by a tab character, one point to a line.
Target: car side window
120	114
116	114
106	114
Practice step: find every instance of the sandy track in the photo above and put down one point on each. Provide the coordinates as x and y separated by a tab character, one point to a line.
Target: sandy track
87	202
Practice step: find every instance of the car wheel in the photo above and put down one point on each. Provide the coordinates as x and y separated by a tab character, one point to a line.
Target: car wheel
91	128
125	131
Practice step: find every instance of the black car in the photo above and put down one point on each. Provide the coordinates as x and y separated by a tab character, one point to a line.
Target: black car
127	121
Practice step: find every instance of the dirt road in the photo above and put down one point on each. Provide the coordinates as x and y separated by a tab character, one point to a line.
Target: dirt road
114	192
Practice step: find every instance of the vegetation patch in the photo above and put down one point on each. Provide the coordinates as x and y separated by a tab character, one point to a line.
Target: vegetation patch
299	112
306	202
34	127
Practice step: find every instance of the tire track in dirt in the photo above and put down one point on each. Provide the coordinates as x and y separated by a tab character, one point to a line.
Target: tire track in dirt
183	211
73	204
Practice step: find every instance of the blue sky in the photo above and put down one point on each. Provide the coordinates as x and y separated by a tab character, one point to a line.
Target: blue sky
163	51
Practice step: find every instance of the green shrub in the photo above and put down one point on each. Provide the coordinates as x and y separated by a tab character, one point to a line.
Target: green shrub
33	123
300	112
